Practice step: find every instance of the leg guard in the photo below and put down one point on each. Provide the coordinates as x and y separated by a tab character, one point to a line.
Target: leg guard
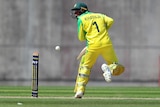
82	79
116	69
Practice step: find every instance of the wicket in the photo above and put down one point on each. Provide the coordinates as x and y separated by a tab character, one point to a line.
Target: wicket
35	65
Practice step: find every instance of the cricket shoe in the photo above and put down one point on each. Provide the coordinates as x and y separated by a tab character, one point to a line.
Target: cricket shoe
78	95
107	72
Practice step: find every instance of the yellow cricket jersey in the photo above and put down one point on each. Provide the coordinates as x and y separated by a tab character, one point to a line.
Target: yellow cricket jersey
93	27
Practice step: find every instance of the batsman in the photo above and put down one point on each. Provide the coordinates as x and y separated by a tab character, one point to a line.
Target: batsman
93	28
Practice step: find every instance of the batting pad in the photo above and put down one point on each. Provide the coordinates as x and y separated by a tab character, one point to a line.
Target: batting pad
82	79
116	69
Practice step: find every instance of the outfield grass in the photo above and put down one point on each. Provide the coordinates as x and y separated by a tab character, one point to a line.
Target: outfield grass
62	96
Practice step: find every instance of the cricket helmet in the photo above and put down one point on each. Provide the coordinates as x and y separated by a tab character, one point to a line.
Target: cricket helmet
78	9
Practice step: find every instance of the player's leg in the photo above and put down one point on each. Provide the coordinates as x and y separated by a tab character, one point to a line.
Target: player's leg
116	69
110	57
77	79
86	63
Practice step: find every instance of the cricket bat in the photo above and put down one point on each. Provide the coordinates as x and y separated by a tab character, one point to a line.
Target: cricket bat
81	53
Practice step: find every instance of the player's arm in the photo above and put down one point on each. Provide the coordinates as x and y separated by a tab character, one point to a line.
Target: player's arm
81	32
109	21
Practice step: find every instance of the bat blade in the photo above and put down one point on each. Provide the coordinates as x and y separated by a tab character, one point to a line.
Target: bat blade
81	53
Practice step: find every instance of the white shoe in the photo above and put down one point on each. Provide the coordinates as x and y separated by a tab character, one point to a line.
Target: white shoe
78	95
107	72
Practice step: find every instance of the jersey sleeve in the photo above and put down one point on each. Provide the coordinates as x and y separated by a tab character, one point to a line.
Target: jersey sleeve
81	32
109	21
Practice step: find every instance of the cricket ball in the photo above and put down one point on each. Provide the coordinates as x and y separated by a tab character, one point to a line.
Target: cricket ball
57	48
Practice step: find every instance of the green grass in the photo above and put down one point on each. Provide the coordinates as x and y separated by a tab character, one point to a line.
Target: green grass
61	96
